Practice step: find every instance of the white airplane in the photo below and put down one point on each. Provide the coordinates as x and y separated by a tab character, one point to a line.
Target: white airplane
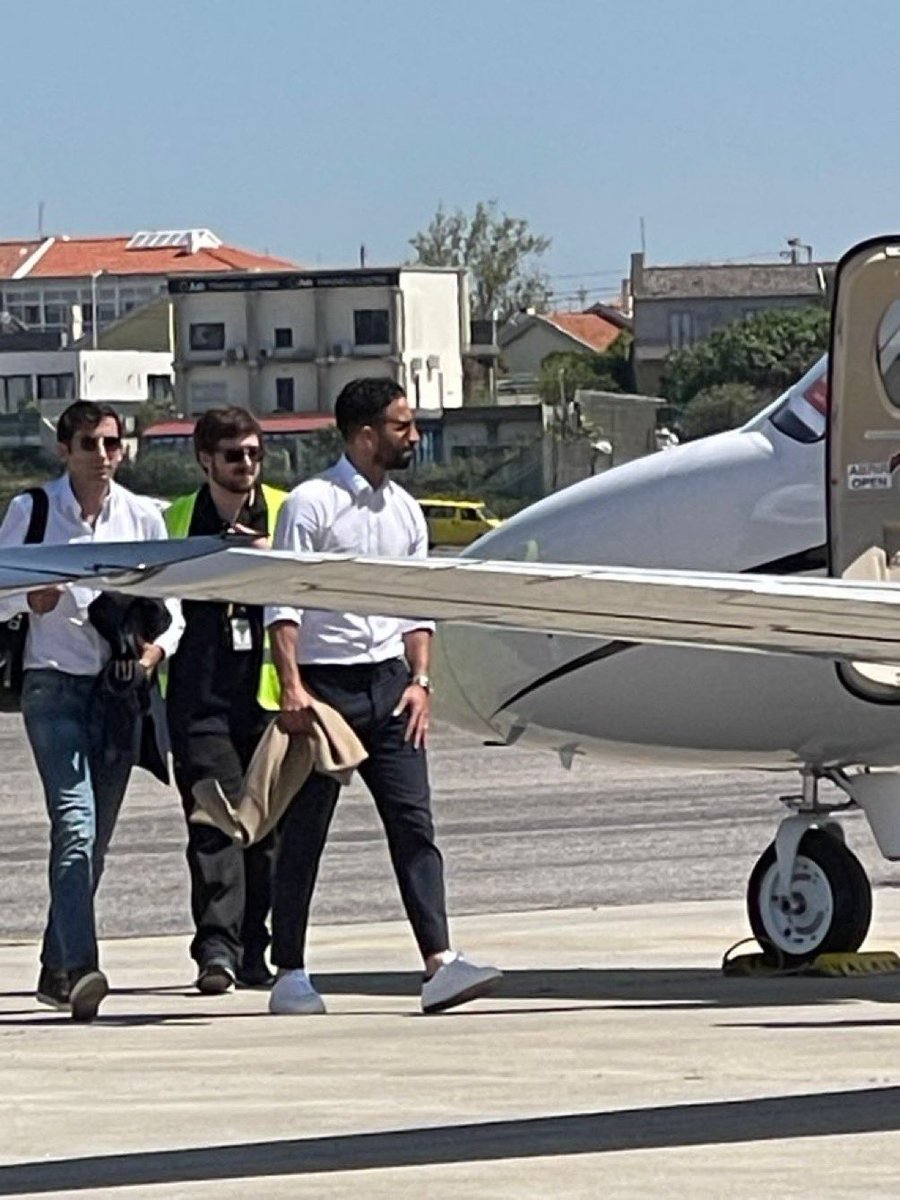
713	543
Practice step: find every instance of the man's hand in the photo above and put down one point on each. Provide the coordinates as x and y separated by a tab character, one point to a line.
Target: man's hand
260	541
44	600
151	656
296	709
417	702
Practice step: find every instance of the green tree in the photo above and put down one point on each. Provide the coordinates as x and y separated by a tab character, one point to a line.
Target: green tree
768	351
722	406
606	372
499	250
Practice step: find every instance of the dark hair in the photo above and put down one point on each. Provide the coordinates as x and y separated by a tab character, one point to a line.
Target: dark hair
362	402
84	414
220	424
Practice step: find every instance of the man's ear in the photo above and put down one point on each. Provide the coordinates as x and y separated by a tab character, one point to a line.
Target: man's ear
205	461
62	452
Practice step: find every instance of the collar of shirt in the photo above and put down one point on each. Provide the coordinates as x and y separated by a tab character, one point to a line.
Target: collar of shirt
206	518
70	505
356	484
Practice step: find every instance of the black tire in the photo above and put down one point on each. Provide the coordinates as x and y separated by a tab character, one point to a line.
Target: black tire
851	895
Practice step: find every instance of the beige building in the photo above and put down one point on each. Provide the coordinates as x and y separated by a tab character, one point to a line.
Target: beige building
289	341
677	306
527	339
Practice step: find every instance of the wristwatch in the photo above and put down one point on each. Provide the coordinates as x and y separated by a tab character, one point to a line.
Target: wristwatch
424	681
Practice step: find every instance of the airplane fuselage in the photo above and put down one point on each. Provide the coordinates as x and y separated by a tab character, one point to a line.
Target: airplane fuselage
749	500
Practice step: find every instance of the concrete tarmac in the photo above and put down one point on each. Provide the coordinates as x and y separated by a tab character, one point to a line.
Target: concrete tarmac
615	1061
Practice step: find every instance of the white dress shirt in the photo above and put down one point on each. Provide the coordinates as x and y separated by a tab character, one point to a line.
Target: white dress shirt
64	638
339	512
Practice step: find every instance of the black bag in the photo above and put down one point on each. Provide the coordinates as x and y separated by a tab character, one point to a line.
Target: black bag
14	631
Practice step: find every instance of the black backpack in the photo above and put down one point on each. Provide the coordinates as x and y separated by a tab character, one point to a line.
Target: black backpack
14	631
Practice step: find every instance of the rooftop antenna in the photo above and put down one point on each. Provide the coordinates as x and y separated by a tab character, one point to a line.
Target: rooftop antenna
793	254
643	238
40	227
362	255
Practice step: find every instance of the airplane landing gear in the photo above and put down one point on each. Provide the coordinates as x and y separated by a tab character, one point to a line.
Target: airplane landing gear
827	907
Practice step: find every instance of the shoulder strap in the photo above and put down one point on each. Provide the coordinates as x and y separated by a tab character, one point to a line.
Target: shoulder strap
37	524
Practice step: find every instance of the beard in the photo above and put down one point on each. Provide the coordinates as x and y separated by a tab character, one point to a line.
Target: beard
238	484
394	458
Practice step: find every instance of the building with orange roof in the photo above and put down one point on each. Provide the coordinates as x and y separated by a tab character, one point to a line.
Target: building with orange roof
59	282
527	339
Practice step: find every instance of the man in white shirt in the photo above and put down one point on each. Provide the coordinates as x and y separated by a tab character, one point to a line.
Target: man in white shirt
64	702
374	671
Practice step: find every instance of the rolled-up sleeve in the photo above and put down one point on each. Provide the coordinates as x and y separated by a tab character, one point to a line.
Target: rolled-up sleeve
12	533
296	529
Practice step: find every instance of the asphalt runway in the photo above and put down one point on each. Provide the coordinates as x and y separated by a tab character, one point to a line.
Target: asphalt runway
518	832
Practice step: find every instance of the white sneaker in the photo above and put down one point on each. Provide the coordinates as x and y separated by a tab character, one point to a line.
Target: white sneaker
292	992
456	982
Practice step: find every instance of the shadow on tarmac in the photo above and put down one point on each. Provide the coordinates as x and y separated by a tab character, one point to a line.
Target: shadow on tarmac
658	988
668	987
870	1110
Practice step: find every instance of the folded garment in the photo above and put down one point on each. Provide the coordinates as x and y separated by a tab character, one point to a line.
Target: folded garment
278	769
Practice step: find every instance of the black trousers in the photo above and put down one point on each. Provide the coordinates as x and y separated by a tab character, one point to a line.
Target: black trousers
231	887
397	776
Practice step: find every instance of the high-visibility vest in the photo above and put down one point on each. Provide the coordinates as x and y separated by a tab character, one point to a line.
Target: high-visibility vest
178	522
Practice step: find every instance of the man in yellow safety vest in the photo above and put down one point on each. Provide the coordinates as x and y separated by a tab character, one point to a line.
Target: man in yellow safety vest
221	691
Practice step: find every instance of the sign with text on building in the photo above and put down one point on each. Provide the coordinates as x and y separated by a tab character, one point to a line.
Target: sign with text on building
283	281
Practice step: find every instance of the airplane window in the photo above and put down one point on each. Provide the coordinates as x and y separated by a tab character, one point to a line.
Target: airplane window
802	410
889	352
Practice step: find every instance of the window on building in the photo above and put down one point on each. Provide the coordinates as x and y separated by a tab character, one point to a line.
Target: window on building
284	338
17	392
56	387
159	388
57	304
681	330
284	395
208	335
371	327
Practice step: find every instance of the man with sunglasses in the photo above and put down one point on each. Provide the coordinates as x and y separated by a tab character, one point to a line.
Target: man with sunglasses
221	693
64	704
374	671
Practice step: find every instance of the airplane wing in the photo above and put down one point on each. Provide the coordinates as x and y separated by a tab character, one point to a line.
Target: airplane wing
775	614
23	568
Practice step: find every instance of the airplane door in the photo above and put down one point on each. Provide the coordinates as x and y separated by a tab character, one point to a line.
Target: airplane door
863	435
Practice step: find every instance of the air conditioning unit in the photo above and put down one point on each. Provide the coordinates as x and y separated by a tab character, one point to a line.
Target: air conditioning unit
240	353
264	352
231	355
433	362
341	350
415	364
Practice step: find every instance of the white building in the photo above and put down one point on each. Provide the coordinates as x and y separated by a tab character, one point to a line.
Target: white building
54	378
289	341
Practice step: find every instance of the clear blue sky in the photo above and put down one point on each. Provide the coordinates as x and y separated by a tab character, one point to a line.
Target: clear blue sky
307	128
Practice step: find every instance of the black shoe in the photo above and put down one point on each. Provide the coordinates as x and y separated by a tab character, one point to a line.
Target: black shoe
254	973
87	990
53	988
216	977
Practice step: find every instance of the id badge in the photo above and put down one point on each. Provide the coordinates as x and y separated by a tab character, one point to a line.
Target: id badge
241	634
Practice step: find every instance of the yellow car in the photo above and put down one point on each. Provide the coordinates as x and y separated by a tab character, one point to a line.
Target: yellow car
457	522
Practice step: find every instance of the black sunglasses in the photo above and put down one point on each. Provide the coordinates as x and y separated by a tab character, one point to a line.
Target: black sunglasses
236	455
90	442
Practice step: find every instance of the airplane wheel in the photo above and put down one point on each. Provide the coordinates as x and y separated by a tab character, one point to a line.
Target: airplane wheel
829	907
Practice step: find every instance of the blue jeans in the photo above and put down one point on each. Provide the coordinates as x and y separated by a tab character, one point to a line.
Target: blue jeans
84	783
